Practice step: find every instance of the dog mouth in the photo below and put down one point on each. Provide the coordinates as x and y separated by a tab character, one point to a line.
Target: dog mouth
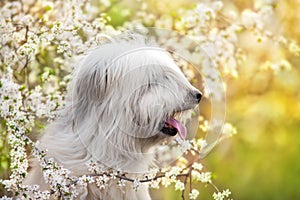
172	127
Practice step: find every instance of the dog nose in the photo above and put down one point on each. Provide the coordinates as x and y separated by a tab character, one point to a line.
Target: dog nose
197	95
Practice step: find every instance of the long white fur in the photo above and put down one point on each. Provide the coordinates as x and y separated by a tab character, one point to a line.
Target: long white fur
119	97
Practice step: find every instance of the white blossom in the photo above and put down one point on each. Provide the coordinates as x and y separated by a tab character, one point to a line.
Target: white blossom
197	166
204	177
136	184
194	194
221	195
179	185
102	181
121	183
166	181
84	180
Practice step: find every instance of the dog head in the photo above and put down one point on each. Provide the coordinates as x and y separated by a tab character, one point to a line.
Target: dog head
130	92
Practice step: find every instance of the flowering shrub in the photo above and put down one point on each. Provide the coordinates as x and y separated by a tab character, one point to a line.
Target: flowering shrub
42	40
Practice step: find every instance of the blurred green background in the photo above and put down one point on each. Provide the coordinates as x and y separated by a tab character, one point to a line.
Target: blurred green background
262	161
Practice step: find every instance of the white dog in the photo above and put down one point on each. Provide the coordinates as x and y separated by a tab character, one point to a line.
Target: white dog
121	102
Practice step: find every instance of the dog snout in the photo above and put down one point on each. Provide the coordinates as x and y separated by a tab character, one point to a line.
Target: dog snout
196	95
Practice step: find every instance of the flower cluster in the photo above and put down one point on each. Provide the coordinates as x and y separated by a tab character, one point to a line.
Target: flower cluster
221	195
194	194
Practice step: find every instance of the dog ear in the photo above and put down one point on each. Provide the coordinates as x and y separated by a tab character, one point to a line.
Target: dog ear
88	89
90	84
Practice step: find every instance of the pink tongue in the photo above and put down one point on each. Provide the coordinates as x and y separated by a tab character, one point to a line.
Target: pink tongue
180	127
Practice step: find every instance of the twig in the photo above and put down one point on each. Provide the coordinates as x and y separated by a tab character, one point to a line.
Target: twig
123	177
214	186
185	181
